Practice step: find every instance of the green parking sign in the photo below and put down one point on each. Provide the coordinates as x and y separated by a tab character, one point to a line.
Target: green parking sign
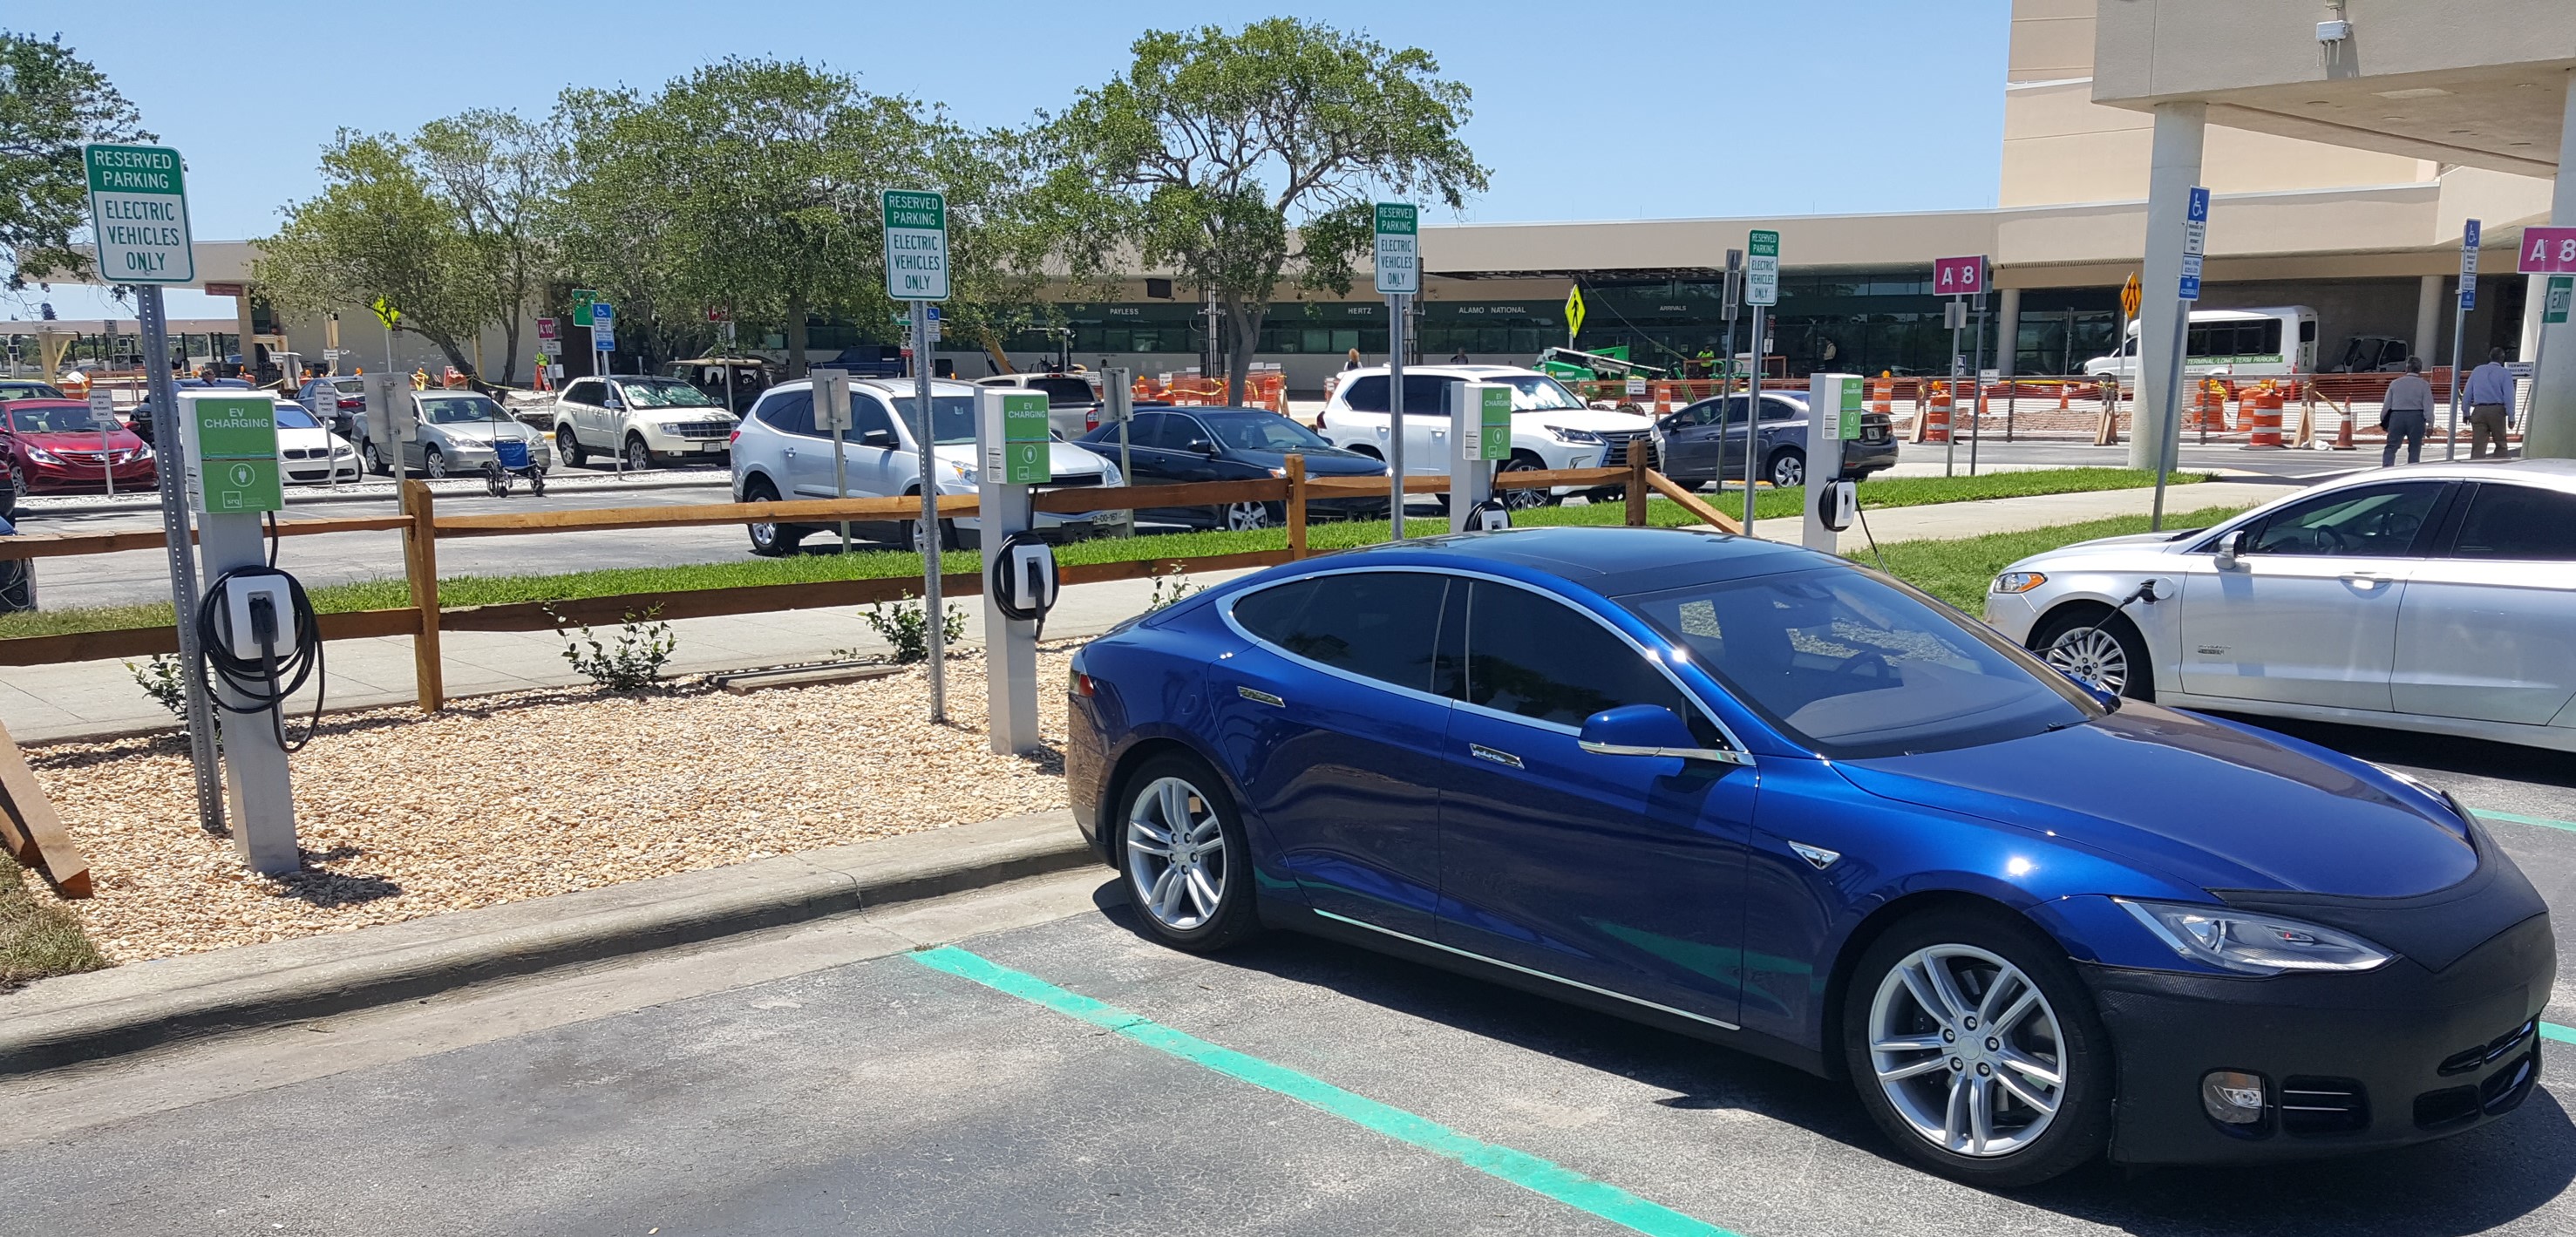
234	453
1024	439
1494	422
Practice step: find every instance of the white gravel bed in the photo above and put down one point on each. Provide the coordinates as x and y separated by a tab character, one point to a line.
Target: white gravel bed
507	797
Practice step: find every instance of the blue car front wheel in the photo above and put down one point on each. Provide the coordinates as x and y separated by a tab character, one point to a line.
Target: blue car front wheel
1977	1049
1182	848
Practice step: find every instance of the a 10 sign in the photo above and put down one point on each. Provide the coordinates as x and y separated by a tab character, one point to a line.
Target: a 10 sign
2548	251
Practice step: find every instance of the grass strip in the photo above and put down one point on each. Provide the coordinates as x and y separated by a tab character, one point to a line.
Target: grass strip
37	937
1959	571
875	564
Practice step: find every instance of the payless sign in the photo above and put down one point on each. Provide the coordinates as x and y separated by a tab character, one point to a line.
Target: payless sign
1019	456
138	206
916	245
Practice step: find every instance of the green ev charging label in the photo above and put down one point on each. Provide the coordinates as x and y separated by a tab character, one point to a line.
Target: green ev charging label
1851	410
235	463
1494	422
1024	439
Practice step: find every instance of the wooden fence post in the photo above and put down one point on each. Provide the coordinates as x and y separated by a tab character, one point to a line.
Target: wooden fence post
1637	450
420	565
1296	505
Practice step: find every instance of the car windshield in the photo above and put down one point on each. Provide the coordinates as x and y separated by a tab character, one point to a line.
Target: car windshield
28	390
291	417
1263	431
953	417
664	393
1855	667
459	409
60	419
1536	393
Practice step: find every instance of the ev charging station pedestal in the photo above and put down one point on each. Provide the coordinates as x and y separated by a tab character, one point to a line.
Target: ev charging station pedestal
1019	571
1480	439
1833	418
233	479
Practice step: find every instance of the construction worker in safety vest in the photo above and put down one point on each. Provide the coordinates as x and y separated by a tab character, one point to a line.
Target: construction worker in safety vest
420	378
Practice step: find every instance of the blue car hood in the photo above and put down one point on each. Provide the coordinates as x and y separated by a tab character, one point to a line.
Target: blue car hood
2196	800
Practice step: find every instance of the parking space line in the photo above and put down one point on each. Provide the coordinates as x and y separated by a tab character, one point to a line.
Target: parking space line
2519	819
2564	1035
1519	1168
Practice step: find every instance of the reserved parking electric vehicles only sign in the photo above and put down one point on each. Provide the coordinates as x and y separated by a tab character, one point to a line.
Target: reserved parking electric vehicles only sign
138	206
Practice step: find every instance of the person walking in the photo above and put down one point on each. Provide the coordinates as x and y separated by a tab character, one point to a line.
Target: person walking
1460	356
2405	412
1354	361
2490	396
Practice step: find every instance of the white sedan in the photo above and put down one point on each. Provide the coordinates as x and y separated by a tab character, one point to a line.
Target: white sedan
311	455
2437	598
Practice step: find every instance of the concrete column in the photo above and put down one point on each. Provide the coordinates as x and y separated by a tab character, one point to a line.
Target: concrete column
2530	341
2007	331
2551	432
2173	168
2429	307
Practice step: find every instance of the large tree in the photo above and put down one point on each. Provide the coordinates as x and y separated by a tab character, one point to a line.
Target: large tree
51	102
444	226
1232	156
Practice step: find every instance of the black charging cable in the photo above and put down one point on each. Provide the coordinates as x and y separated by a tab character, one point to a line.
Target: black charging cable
1033	613
265	682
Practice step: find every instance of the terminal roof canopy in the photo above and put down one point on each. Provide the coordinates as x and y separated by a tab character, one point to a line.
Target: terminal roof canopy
2479	83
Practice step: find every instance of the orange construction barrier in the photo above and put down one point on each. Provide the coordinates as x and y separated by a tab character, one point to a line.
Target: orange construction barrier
2262	416
1663	398
1882	394
1936	414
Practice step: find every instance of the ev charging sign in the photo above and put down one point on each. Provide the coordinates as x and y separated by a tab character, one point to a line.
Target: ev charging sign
1016	441
232	453
1489	431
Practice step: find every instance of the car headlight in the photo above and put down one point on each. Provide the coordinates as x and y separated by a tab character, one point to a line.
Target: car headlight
2253	944
43	456
2018	581
342	450
143	452
963	472
1562	434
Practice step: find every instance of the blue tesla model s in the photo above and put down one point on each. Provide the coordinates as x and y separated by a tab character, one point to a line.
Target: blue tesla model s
1759	795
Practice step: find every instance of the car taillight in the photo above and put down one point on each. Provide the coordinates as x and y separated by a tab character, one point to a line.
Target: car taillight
734	437
1091	419
351	403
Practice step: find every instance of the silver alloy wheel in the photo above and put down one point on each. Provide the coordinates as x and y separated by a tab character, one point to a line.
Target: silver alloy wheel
1967	1050
764	535
912	533
638	456
1521	497
1788	469
1176	857
1245	517
567	447
2091	654
433	463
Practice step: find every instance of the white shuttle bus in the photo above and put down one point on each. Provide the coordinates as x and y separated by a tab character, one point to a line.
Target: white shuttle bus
2237	343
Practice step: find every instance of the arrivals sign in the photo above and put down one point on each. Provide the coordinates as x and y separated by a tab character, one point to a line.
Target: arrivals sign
916	245
138	209
1762	269
1959	276
1399	249
2548	251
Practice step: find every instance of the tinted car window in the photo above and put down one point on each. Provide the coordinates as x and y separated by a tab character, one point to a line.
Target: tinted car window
1781	410
1856	667
1378	624
866	416
2377	521
582	391
1262	431
1148	430
1065	390
1536	657
1421	393
2518	521
789	412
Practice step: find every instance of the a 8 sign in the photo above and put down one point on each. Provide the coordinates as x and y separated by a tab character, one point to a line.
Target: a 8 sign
2548	251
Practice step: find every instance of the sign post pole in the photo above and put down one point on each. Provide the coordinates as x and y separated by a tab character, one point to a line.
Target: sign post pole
1959	279
1399	277
138	206
2460	308
1761	288
916	271
2195	235
603	343
1730	289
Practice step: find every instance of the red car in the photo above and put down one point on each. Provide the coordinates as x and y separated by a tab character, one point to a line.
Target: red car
53	447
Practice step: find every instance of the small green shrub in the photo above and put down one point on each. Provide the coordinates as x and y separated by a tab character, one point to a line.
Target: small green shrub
162	679
905	625
644	646
1171	586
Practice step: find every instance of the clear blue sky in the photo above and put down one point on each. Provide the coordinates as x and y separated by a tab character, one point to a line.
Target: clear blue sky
1583	110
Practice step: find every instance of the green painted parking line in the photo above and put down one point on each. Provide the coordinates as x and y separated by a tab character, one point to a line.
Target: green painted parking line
2564	1035
1520	1168
2520	819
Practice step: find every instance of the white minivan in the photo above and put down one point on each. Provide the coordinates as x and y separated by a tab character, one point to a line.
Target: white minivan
1550	428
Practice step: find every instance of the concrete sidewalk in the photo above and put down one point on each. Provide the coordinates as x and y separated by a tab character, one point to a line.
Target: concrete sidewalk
97	698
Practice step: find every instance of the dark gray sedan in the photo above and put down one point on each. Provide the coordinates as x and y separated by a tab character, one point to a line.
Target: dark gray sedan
1705	441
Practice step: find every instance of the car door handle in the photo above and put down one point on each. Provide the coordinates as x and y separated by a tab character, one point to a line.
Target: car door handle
2366	579
791	453
1505	759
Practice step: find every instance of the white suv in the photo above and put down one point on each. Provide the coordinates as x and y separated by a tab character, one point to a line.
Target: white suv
779	454
648	420
1550	427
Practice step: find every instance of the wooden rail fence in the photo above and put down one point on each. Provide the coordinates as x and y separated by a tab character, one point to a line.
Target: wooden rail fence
425	619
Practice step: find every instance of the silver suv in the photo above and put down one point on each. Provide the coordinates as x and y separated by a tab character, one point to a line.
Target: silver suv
647	420
779	454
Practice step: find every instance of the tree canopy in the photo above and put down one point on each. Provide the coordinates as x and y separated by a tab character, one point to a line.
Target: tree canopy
51	103
1231	156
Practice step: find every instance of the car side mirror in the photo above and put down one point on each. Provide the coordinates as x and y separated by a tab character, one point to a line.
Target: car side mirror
1646	730
1202	446
877	438
2230	548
